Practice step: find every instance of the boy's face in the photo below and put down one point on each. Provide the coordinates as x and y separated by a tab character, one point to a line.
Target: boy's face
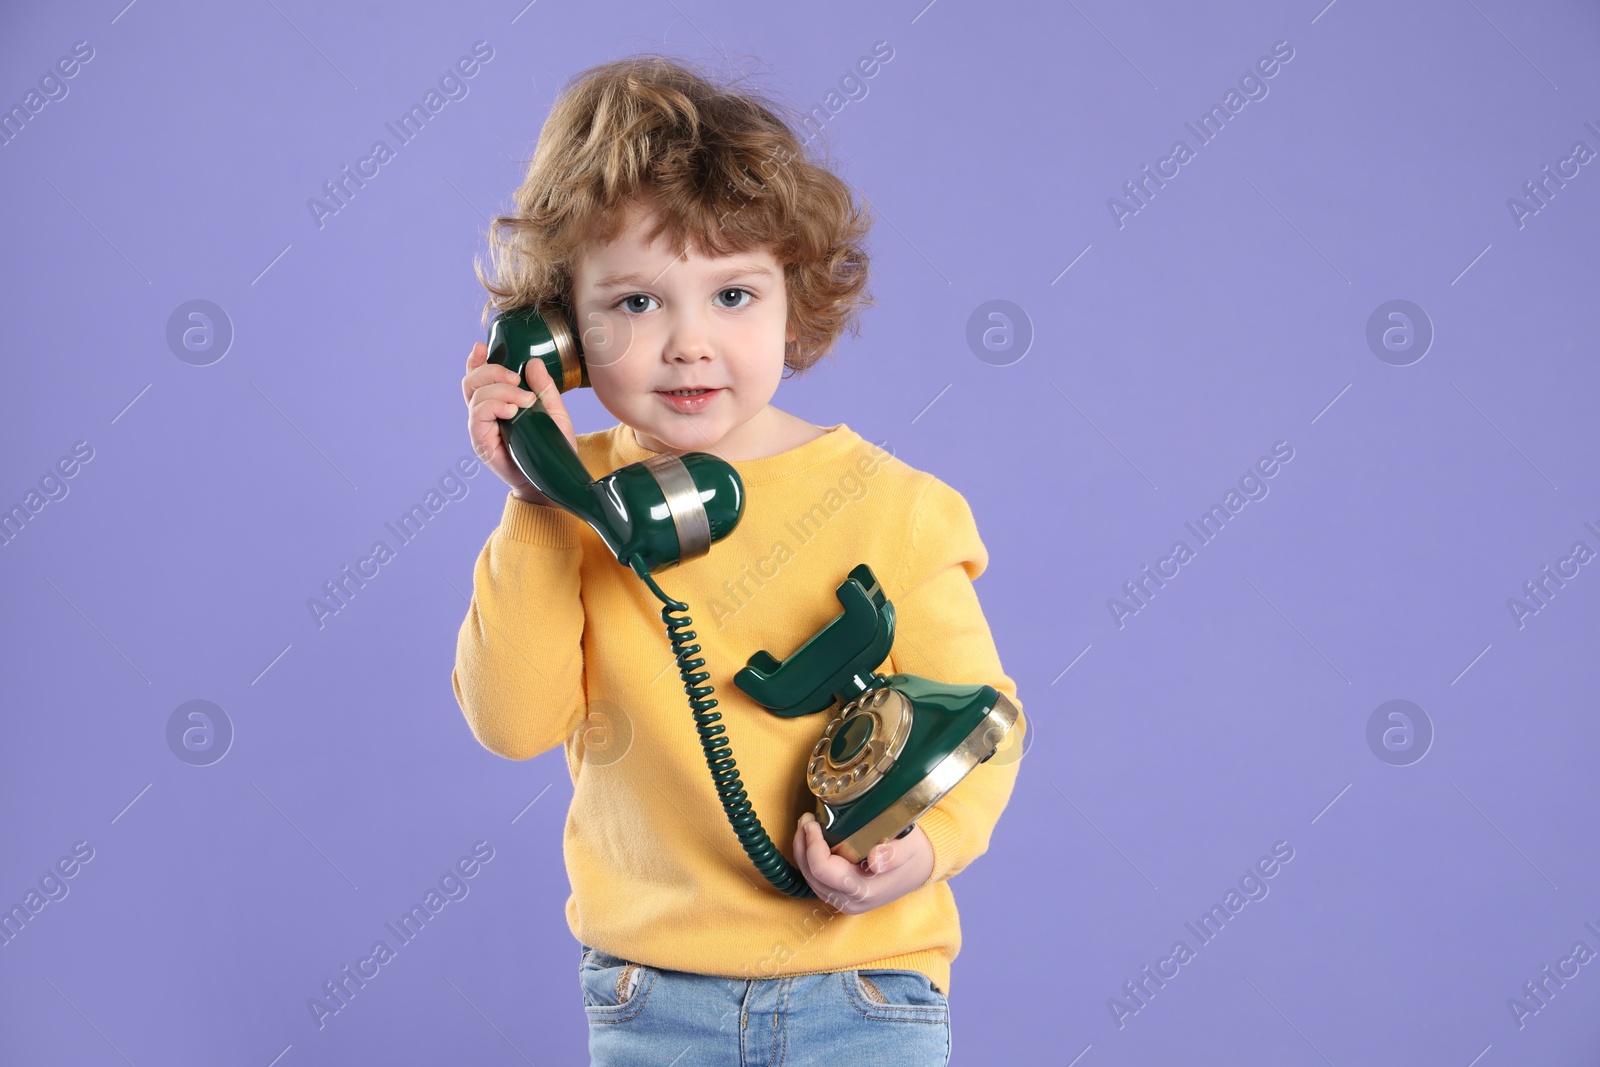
652	321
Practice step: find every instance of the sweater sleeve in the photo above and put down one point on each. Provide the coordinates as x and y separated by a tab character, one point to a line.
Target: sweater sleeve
941	634
519	672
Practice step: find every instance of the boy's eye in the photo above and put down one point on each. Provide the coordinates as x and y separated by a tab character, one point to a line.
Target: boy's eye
727	298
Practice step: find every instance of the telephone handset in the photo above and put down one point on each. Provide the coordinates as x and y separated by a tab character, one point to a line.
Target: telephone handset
652	515
893	746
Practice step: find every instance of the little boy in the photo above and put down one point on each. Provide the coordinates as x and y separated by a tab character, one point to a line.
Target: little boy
702	256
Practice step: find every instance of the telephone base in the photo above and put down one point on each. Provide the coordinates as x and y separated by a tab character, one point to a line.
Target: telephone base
898	818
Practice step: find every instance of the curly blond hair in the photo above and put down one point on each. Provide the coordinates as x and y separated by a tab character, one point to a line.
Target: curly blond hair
723	173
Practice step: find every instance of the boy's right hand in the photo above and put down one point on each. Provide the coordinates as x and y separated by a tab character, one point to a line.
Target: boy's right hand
493	392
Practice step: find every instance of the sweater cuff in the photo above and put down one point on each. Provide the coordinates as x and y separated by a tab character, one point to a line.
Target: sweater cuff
944	834
539	524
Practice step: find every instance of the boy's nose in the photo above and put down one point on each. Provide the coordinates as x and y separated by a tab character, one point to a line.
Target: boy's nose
690	338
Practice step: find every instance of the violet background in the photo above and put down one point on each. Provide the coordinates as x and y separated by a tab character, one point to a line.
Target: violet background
1228	314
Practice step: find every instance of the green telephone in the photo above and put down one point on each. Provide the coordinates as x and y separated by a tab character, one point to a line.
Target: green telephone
893	746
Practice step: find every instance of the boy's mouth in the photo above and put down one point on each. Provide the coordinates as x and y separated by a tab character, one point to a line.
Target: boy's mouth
688	401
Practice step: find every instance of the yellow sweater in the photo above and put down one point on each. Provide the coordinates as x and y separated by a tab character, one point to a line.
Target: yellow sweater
562	645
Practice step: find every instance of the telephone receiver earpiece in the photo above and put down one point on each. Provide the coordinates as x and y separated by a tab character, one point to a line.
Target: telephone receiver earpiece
652	515
518	335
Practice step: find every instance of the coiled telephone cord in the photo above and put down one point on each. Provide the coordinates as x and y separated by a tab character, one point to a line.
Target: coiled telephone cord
719	757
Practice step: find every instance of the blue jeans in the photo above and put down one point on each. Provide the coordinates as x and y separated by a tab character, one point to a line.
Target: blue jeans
641	1015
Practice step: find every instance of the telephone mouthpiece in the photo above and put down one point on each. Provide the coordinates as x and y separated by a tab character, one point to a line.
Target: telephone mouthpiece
692	501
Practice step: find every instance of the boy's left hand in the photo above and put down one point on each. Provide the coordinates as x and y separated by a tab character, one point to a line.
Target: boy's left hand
893	869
